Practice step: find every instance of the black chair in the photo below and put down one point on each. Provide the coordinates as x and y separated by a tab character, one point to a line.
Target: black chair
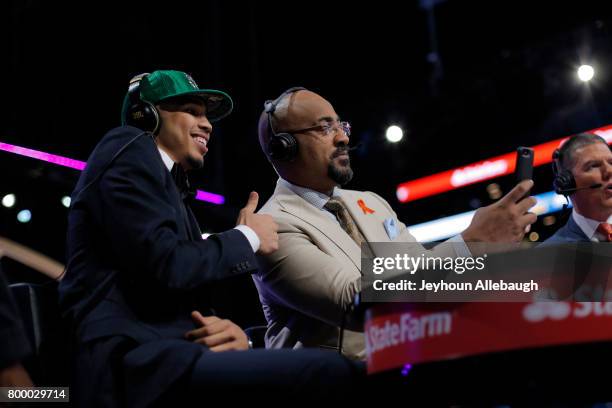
49	336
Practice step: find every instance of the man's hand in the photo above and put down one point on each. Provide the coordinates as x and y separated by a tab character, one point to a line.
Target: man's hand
263	225
15	376
504	221
217	334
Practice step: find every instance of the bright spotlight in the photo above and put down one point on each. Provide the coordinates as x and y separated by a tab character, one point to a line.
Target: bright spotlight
394	134
8	200
586	73
66	201
402	193
24	216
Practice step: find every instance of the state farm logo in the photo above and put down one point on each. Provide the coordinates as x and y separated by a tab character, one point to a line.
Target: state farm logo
540	311
407	329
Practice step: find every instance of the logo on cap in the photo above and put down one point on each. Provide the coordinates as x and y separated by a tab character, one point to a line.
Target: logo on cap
191	81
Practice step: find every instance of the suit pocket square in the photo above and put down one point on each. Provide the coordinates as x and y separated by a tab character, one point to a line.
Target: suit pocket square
391	228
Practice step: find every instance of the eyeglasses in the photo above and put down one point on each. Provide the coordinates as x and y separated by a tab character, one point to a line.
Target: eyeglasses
326	128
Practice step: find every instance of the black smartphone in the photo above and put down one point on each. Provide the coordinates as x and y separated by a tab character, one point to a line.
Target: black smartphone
524	164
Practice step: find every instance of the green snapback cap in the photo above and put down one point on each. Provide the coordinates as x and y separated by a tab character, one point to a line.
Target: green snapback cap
165	84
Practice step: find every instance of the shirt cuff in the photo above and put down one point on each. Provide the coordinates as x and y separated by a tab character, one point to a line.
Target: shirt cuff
252	236
460	246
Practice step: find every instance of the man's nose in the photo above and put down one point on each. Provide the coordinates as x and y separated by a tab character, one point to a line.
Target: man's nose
606	171
204	124
341	137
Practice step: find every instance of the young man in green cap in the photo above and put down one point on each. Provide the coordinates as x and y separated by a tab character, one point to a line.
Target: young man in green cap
138	280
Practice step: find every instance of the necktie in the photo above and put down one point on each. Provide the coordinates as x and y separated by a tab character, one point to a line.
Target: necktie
337	207
605	229
182	182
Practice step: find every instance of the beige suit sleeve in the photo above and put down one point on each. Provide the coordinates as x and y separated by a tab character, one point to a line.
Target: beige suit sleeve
302	277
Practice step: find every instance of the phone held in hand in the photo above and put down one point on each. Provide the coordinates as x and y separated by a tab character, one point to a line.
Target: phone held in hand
524	164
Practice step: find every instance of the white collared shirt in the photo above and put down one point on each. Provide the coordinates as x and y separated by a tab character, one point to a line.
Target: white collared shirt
588	226
246	230
313	197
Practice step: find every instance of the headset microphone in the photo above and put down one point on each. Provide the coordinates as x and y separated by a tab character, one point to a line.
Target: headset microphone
571	190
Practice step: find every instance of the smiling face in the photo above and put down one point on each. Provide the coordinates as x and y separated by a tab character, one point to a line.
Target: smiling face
185	131
322	161
593	165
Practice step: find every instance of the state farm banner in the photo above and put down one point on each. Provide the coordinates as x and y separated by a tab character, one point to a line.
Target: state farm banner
399	334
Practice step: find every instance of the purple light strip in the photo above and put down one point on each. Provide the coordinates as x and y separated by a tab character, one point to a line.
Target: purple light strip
210	197
80	165
35	154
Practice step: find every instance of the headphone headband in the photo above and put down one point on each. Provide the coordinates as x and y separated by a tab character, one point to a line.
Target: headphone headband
282	146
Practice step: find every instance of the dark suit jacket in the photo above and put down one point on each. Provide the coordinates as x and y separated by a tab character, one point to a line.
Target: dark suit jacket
137	266
570	232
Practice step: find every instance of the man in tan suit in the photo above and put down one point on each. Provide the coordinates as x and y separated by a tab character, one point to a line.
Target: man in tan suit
307	285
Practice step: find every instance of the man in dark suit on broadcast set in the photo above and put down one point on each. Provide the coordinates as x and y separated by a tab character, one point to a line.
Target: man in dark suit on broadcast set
583	171
139	275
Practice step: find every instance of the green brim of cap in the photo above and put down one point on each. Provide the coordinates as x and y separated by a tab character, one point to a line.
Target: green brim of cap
218	103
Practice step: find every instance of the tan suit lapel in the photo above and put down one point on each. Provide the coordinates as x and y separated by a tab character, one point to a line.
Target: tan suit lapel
295	205
371	224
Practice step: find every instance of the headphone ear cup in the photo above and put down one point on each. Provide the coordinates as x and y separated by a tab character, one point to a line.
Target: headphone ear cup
143	115
564	181
283	147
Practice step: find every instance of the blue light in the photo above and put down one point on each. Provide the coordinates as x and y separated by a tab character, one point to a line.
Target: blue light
406	369
447	227
24	216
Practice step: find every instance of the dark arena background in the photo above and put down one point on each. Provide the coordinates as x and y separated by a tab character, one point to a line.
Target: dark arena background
465	81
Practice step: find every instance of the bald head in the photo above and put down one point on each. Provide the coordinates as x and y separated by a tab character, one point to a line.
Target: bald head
297	110
319	158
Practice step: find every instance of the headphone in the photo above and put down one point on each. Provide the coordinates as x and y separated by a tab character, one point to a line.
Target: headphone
564	181
139	113
282	146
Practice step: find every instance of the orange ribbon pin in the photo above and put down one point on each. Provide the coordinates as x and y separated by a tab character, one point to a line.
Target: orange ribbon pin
364	207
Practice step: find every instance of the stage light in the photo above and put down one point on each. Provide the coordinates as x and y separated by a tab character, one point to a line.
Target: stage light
534	236
475	203
24	216
586	73
494	191
394	134
205	235
66	201
402	194
8	200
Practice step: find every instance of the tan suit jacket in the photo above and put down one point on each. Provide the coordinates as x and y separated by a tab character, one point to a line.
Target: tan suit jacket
307	284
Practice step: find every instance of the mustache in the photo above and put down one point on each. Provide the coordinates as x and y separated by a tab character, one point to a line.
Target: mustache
345	149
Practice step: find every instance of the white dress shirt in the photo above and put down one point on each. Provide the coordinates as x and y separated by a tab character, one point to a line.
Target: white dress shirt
589	226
